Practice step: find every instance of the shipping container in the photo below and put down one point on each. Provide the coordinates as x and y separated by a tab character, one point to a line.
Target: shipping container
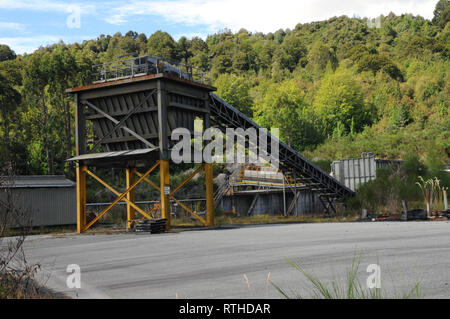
352	172
46	200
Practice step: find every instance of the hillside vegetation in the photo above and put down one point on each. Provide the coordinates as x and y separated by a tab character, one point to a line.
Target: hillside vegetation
335	88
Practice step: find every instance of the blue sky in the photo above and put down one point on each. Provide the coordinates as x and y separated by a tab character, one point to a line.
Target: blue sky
25	25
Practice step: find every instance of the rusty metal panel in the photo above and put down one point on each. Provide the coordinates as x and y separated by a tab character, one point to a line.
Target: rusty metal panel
118	106
271	203
183	106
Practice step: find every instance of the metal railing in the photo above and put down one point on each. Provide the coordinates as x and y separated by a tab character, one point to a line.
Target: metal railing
145	65
97	207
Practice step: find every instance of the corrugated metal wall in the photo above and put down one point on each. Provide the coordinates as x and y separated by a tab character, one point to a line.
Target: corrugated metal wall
272	203
47	206
353	172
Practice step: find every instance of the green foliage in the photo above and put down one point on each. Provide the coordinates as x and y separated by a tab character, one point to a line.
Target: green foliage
6	53
283	106
350	288
319	58
335	88
235	90
396	183
291	52
9	102
377	62
432	192
339	101
162	44
442	13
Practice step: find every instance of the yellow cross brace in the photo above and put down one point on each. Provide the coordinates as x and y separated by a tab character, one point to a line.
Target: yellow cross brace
118	194
120	197
176	189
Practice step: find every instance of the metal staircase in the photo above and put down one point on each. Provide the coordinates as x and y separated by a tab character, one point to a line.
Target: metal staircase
290	162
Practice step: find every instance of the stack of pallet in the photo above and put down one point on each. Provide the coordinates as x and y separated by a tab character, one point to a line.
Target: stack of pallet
153	226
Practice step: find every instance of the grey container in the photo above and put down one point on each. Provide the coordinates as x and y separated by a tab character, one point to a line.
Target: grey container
353	172
47	200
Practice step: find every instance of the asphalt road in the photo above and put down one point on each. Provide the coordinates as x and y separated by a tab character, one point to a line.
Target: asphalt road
236	263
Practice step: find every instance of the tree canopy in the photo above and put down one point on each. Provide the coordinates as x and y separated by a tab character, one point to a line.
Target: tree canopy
334	88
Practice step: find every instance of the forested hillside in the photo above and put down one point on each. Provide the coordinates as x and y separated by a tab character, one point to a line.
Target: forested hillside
335	88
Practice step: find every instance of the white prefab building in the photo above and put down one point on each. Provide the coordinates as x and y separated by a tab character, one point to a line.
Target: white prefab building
352	172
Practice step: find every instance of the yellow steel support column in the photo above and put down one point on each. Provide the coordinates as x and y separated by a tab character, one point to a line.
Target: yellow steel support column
81	198
165	191
209	195
131	212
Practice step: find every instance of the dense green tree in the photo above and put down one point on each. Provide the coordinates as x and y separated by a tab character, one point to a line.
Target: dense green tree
199	51
422	46
389	94
132	34
162	44
6	53
62	75
442	13
184	49
339	101
39	117
222	61
377	62
265	55
9	101
319	57
142	43
290	53
283	106
236	91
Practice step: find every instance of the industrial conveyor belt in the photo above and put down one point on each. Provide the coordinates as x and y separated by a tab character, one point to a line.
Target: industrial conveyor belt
290	162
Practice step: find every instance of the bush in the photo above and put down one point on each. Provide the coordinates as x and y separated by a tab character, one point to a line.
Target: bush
394	184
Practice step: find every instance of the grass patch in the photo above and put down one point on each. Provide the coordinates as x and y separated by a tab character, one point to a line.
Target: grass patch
264	219
116	224
351	288
12	287
42	230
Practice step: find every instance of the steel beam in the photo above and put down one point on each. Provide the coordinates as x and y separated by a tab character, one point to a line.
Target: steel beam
225	115
120	197
165	190
162	122
209	194
98	179
109	117
80	127
131	196
120	124
81	198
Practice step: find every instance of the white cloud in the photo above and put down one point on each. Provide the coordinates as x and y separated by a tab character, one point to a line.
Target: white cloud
263	15
12	26
189	35
47	6
29	44
35	5
206	16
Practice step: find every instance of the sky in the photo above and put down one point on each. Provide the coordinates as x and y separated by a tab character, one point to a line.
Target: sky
26	25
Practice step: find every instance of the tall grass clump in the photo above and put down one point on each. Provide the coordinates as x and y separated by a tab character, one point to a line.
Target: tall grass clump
351	288
435	192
